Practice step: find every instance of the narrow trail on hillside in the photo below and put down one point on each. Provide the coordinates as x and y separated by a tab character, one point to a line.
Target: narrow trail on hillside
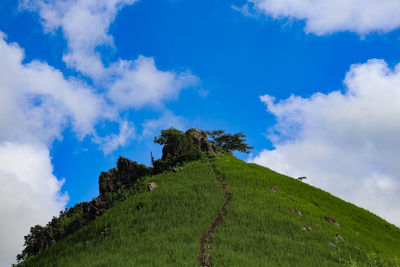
204	255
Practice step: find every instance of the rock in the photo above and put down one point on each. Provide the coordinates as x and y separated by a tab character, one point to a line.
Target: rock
296	211
274	189
331	220
200	138
299	213
95	208
151	186
73	226
302	178
339	237
106	232
125	175
331	244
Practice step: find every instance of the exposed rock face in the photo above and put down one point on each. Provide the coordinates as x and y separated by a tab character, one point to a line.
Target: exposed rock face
124	175
199	138
339	237
89	210
151	186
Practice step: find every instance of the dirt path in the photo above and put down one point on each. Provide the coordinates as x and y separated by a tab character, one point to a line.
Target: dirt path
205	242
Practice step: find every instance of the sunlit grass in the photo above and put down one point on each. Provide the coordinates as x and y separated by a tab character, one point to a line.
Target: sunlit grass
262	228
158	228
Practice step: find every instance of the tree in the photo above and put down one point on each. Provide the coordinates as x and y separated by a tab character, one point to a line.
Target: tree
172	139
229	142
168	136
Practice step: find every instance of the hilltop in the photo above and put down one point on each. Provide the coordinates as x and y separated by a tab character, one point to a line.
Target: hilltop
199	205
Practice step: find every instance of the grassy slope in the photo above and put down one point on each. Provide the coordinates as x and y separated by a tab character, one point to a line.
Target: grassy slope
262	230
165	231
259	230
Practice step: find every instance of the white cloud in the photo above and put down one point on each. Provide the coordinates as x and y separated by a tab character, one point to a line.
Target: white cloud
36	104
85	25
168	119
345	143
329	16
37	101
29	194
114	141
245	10
140	83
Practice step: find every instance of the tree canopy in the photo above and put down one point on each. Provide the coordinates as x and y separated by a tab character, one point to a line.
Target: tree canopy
229	142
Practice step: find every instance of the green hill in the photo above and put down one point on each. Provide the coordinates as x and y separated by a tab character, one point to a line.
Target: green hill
271	220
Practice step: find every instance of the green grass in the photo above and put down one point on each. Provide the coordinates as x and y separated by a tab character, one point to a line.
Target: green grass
261	228
165	231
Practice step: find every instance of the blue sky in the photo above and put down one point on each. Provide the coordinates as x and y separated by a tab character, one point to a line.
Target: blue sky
83	82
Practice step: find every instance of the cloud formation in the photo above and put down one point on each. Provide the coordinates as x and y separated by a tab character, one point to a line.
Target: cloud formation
140	83
112	142
36	103
29	193
329	16
344	142
153	127
85	25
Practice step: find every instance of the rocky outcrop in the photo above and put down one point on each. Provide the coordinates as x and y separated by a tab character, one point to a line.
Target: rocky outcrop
151	186
199	138
125	175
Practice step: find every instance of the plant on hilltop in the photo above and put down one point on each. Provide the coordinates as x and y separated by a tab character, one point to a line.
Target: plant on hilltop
178	148
169	136
229	142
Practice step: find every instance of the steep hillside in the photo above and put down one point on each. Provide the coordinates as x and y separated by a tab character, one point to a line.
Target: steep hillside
270	220
275	220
